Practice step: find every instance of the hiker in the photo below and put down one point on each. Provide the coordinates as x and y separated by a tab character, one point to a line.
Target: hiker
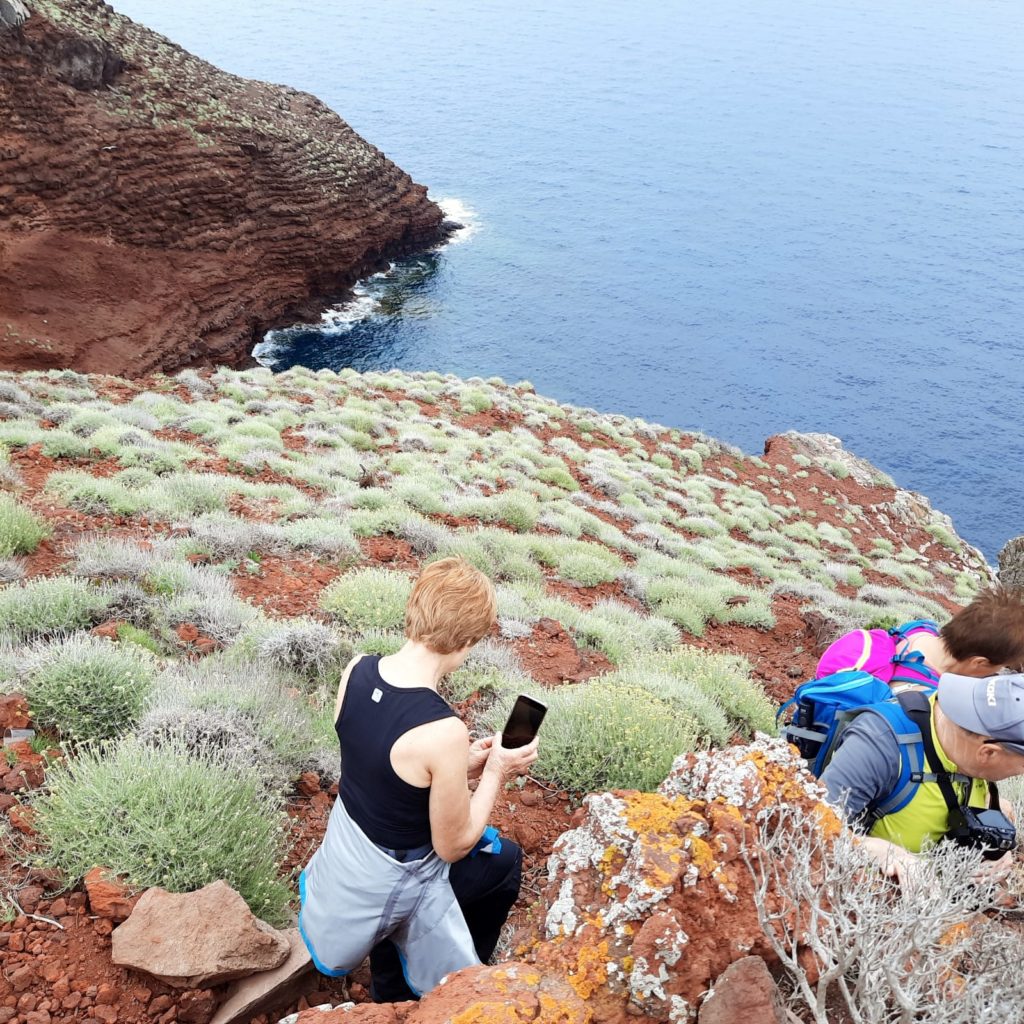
906	794
408	871
981	639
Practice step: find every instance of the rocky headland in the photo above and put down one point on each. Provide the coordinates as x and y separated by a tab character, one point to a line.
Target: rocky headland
156	212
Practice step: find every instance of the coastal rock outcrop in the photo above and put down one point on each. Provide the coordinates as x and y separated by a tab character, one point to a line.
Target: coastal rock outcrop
1011	563
156	212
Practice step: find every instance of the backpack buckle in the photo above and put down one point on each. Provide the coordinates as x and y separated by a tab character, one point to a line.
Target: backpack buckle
917	776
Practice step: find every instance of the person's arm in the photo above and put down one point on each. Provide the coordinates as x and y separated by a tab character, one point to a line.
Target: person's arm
865	766
864	769
457	820
341	686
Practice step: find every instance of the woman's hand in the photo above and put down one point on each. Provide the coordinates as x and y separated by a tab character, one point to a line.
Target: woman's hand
508	762
479	751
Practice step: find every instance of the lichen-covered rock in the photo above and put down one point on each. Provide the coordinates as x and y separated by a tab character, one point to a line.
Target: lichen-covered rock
507	994
650	898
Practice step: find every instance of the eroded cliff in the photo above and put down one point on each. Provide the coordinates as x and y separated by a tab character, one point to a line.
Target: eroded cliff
156	212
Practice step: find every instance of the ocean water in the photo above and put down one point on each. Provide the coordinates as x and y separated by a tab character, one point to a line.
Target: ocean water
742	217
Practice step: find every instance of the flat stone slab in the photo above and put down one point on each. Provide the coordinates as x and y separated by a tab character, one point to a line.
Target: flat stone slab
260	993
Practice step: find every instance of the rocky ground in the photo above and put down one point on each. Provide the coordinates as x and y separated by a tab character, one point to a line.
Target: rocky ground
785	549
156	212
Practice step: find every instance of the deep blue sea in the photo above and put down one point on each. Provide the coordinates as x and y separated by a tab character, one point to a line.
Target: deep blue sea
741	216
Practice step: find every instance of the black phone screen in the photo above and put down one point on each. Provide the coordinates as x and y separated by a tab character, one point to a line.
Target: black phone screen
523	721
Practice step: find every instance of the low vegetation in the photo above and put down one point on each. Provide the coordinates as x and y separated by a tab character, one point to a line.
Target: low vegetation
191	717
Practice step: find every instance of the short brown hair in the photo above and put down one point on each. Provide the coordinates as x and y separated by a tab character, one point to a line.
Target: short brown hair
452	605
991	626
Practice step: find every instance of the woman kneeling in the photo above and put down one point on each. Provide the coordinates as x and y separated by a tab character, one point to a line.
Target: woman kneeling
405	872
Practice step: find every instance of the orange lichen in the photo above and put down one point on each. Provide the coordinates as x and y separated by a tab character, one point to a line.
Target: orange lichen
649	812
560	1011
701	856
490	1012
591	969
828	821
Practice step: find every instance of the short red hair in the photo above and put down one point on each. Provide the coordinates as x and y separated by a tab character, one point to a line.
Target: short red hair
452	606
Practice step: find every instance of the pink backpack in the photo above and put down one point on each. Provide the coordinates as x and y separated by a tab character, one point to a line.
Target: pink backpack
882	653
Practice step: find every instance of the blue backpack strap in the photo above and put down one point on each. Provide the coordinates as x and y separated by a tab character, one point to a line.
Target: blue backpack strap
913	659
900	632
912	759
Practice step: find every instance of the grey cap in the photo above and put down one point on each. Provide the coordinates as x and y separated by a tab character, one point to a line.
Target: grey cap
990	706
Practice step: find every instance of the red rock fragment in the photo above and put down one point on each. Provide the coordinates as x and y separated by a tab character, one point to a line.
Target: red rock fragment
107	897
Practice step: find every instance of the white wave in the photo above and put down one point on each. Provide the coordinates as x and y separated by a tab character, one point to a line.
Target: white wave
265	352
462	213
367	294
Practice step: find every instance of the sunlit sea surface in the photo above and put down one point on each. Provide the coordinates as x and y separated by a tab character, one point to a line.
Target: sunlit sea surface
743	216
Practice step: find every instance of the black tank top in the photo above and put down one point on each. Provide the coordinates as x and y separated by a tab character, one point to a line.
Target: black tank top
373	715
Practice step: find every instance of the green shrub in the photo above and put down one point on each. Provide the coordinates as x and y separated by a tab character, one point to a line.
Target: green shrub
368	599
476	401
88	688
621	633
589	568
598	736
168	817
261	723
93	495
558	477
130	634
59	444
48	605
20	530
380	641
517	508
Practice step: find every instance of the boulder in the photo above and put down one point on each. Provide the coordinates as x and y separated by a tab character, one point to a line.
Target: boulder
1011	563
192	940
262	993
746	991
13	14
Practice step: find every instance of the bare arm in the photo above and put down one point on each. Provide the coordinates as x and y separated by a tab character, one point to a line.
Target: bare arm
457	819
343	684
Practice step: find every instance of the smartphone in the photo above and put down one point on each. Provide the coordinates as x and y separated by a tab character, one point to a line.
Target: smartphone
523	721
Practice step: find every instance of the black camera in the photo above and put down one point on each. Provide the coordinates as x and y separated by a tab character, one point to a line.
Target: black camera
983	829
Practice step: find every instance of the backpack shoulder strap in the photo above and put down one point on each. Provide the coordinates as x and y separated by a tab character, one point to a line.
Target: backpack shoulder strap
919	710
914	626
912	761
914	660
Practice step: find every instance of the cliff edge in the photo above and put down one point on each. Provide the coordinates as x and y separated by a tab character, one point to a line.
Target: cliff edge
156	212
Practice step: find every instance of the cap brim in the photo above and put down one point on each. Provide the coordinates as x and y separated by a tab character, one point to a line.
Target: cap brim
956	698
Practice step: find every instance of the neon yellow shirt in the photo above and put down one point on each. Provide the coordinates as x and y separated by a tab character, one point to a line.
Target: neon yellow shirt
925	819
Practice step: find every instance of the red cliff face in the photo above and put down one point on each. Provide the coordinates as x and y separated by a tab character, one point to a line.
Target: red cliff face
157	212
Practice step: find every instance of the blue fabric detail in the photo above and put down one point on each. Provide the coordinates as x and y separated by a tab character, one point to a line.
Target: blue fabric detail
911	754
489	842
823	706
322	968
900	632
405	973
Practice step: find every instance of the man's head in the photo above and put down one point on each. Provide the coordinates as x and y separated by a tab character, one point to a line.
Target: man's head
452	606
988	634
987	718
